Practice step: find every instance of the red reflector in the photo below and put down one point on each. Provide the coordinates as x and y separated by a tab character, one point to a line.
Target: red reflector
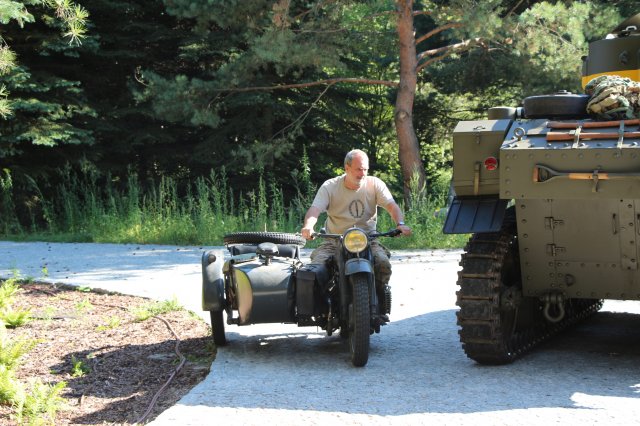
491	163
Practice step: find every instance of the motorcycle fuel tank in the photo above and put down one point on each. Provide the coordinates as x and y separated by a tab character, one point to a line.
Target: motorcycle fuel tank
264	291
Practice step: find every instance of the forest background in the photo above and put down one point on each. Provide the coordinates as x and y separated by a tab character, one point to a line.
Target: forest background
178	121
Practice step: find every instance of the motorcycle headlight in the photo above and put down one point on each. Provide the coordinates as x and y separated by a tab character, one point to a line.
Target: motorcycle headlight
355	241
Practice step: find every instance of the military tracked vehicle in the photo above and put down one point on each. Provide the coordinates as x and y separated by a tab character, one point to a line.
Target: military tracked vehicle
551	196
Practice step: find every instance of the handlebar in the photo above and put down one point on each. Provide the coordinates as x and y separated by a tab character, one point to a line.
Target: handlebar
391	233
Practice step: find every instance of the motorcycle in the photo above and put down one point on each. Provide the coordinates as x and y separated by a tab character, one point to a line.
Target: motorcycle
264	281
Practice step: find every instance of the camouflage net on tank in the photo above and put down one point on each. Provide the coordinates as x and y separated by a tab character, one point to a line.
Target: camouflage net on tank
613	98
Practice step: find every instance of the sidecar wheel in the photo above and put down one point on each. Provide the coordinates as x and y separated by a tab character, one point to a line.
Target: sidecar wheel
217	328
359	320
263	237
344	332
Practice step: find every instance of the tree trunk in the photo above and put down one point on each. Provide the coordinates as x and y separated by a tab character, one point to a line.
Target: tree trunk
409	151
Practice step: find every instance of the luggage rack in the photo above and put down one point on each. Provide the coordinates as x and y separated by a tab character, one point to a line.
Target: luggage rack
576	134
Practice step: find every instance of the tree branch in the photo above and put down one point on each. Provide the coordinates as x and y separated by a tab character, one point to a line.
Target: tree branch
513	9
458	47
329	81
310	10
445	51
302	117
432	60
438	30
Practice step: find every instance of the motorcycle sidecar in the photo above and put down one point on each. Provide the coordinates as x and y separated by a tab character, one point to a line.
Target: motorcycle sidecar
255	284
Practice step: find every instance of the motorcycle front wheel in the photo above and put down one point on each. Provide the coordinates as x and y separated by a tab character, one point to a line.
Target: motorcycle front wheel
359	320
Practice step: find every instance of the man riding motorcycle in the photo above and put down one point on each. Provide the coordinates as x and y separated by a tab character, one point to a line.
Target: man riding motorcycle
351	200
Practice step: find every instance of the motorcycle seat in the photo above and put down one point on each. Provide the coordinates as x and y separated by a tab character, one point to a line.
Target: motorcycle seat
284	250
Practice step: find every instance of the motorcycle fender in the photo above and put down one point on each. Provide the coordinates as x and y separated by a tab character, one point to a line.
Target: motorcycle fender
356	265
212	280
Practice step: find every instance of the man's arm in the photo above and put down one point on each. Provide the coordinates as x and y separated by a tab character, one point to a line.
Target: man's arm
310	220
398	217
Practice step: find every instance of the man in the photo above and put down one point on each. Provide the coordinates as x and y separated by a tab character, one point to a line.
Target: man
352	200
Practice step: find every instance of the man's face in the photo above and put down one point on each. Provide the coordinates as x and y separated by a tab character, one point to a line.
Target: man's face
357	171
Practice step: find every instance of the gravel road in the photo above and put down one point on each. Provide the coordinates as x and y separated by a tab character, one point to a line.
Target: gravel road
417	372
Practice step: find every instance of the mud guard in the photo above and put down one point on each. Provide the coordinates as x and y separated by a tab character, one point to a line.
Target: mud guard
212	280
477	214
355	265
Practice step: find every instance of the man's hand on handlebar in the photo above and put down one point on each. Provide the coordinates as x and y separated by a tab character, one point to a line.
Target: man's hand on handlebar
307	233
406	231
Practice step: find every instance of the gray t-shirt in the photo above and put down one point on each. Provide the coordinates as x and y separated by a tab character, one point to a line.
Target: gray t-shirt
347	207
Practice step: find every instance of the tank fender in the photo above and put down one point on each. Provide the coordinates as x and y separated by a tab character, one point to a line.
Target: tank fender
475	214
355	265
212	280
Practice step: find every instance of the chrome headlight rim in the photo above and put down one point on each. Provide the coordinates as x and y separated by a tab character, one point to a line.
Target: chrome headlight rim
355	241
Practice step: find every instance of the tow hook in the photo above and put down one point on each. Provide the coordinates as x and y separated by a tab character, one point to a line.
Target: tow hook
555	300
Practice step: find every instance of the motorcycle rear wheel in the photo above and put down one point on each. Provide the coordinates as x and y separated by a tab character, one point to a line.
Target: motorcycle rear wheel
359	320
217	328
263	237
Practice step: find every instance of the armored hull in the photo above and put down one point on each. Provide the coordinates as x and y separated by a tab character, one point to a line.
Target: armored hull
551	196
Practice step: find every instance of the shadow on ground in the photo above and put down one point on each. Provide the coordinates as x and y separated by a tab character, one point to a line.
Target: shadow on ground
418	363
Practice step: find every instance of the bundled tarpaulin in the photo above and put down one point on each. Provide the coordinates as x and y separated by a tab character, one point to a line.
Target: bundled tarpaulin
613	98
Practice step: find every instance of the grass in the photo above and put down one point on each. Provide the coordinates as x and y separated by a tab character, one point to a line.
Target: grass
34	403
78	367
12	318
90	208
152	309
40	404
113	322
83	306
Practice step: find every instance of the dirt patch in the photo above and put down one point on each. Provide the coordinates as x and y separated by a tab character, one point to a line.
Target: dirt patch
126	361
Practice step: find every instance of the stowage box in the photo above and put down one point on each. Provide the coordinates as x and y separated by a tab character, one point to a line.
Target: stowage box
475	142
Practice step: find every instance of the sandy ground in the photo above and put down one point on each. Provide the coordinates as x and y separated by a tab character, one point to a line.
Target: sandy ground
417	372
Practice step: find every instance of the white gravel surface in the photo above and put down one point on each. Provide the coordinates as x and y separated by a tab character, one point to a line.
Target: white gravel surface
417	372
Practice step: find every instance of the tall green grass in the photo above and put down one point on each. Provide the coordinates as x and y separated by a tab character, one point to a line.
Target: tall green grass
89	208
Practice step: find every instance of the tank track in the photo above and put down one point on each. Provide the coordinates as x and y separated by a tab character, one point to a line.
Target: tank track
490	290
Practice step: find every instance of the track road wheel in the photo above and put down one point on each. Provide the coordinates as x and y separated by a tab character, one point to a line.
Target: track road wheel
359	320
217	328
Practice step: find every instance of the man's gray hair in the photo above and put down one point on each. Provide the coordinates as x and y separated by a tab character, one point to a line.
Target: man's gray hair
348	159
